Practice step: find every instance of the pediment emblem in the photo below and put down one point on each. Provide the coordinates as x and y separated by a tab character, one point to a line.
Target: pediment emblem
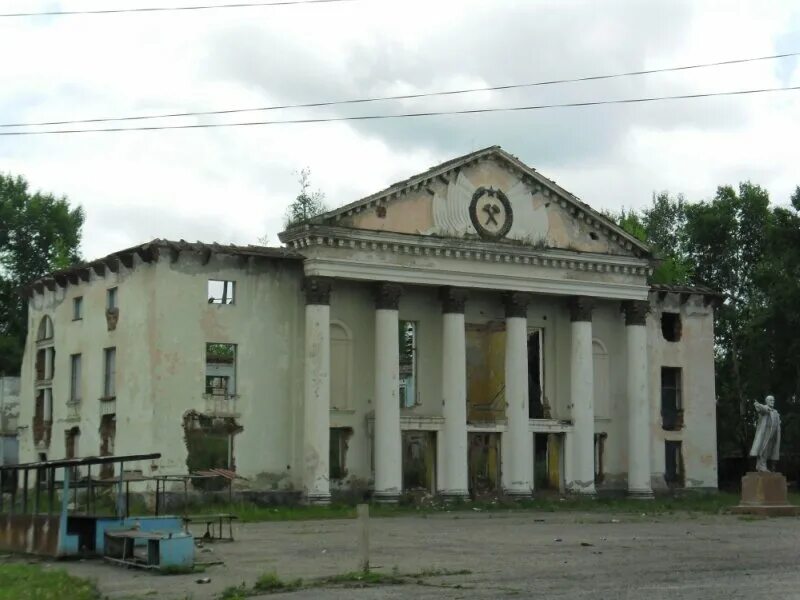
491	213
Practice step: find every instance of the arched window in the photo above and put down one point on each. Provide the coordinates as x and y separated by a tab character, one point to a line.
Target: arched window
341	366
602	399
45	329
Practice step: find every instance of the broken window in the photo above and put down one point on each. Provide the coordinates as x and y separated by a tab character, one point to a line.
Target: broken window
673	463
108	434
671	326
408	364
209	445
535	404
43	416
109	373
671	400
111	298
75	378
41	364
45	331
220	369
339	440
71	442
221	292
419	460
599	450
77	308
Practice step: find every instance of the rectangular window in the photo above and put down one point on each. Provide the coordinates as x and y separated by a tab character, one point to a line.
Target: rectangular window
338	451
673	463
77	308
111	298
220	369
75	378
408	364
221	292
671	400
110	373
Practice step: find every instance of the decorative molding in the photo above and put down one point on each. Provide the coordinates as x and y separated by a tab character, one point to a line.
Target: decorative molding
516	304
580	308
475	217
635	312
453	299
387	295
317	290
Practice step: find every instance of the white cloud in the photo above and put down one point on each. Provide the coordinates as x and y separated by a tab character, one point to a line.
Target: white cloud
232	185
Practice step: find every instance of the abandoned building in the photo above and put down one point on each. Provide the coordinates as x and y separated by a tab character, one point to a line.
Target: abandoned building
473	329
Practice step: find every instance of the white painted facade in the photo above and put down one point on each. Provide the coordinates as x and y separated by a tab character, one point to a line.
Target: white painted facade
315	327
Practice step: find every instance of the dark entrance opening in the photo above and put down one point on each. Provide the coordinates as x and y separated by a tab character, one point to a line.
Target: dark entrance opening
484	463
535	404
419	461
673	463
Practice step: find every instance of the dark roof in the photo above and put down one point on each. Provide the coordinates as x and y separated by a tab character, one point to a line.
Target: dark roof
702	290
148	252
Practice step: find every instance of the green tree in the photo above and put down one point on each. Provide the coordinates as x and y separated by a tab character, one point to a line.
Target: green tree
307	204
39	233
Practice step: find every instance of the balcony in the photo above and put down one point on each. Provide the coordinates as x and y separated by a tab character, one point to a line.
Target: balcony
108	405
220	405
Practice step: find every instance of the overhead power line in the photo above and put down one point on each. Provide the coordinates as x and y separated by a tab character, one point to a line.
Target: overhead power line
113	11
407	115
494	88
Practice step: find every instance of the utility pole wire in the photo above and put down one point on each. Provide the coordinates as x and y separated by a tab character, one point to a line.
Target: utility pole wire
408	115
113	11
408	96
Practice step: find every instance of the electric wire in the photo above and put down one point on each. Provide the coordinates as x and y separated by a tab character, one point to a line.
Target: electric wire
407	96
111	11
407	115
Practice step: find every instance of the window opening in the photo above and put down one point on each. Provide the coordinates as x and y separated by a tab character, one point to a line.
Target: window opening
220	369
339	442
111	298
110	373
673	463
75	378
671	326
599	451
535	401
221	291
671	398
419	461
45	331
408	364
77	308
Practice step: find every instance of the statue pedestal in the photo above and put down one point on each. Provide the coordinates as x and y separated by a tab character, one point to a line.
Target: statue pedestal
765	494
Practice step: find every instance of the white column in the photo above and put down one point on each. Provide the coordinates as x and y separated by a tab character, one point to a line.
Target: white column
638	402
388	450
582	397
454	481
316	408
519	459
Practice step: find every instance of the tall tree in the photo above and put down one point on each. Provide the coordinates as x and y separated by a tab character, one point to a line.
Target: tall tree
307	204
39	233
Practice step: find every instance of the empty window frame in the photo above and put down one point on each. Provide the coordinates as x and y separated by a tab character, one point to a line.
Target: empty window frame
45	331
111	298
671	326
221	291
408	364
110	373
75	378
671	398
77	308
220	369
339	441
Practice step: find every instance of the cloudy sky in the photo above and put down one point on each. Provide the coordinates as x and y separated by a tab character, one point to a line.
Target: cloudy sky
233	184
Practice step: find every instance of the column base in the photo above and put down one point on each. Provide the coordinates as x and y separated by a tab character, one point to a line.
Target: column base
519	494
581	490
389	497
641	494
454	495
318	499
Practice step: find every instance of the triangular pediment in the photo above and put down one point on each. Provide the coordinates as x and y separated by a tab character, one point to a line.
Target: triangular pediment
488	194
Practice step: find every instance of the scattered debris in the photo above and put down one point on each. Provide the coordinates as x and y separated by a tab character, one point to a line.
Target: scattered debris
203	580
586	544
557	540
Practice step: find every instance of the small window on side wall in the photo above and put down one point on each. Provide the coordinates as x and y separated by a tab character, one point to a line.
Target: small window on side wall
111	298
77	308
671	326
220	291
220	369
408	364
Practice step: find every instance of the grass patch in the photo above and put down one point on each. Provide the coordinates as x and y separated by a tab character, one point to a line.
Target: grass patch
270	582
368	578
32	582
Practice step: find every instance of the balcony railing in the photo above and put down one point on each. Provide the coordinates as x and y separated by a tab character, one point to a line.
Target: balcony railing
108	405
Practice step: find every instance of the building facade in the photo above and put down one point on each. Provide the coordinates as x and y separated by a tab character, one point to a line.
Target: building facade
473	329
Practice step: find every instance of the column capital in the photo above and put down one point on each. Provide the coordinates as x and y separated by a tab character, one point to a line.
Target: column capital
317	290
516	304
387	295
580	308
636	311
453	299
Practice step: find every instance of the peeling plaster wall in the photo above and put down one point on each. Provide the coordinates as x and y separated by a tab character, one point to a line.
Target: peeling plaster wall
694	353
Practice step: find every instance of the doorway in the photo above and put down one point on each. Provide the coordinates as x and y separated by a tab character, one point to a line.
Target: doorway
536	407
484	463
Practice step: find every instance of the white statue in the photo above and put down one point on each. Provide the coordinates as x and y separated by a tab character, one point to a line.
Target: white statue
767	442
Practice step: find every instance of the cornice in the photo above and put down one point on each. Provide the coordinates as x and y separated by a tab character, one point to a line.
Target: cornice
463	249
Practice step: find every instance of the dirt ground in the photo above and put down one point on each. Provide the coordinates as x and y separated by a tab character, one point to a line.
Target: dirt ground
523	554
